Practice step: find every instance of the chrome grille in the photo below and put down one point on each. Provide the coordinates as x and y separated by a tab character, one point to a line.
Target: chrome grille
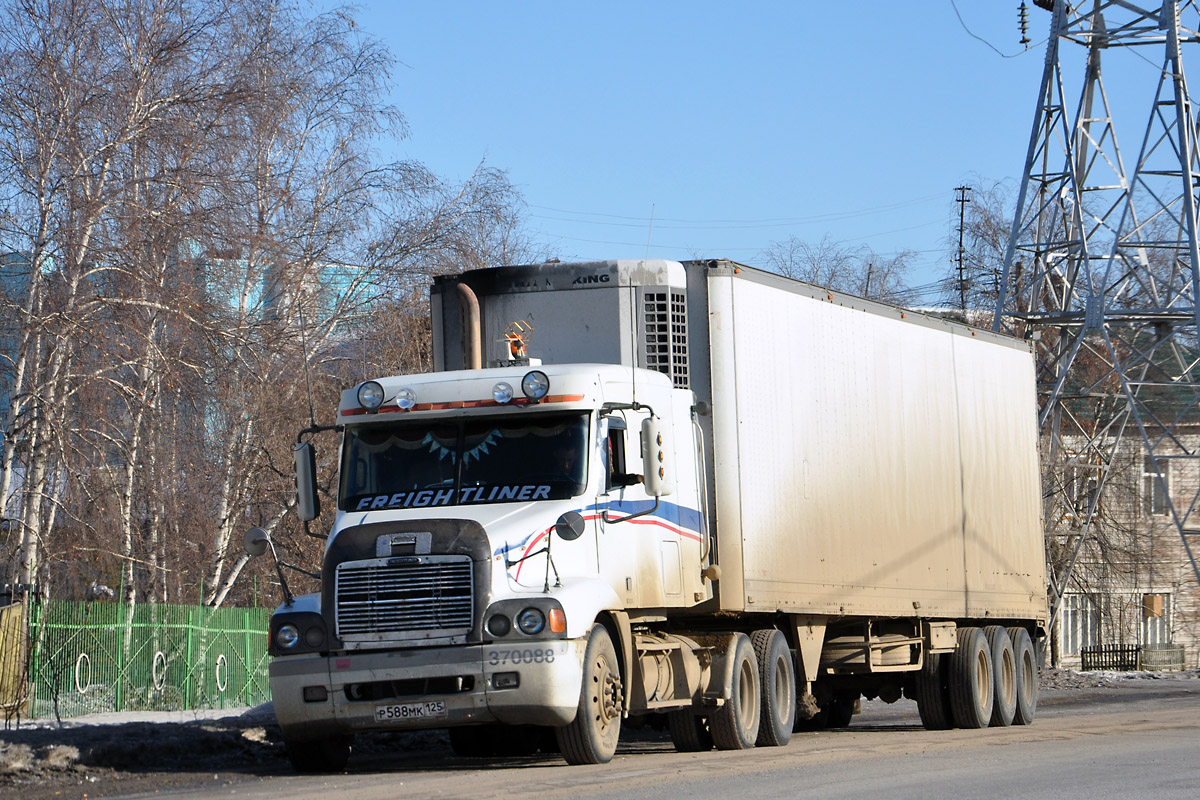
381	597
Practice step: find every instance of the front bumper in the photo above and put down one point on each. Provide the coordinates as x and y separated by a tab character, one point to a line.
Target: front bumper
364	691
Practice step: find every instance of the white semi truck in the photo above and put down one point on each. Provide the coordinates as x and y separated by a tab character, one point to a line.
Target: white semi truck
697	490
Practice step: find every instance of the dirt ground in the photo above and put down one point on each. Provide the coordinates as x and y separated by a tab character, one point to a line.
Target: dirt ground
122	754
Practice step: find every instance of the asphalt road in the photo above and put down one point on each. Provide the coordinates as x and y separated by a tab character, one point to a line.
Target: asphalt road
1136	741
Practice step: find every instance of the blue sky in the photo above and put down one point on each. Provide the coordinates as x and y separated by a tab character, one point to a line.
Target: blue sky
732	125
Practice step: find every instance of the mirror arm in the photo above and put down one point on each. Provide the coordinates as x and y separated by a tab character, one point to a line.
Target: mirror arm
314	429
611	521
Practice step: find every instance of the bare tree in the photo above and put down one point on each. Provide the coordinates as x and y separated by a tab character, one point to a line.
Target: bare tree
855	269
210	249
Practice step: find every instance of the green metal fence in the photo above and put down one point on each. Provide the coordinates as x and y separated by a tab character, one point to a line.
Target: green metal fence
95	657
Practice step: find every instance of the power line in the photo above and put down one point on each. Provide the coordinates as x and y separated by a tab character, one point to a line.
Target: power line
641	222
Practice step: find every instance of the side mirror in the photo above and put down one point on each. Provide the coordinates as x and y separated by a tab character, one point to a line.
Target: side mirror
257	541
308	504
570	526
659	471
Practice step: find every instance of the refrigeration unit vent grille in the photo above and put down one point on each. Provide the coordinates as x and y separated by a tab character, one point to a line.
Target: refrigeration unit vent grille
664	331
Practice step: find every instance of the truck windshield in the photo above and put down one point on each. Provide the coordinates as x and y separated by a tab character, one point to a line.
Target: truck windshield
496	460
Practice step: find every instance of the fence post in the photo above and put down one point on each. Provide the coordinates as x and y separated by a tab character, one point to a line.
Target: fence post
249	675
188	653
35	622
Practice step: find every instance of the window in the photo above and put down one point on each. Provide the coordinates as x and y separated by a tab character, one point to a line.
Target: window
1080	622
1155	491
615	466
516	458
1156	615
1081	485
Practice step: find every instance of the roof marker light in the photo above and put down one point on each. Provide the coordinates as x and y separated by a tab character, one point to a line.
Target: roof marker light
370	395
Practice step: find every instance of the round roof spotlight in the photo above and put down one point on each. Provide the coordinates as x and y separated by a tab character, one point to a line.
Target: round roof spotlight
502	392
405	399
535	385
370	395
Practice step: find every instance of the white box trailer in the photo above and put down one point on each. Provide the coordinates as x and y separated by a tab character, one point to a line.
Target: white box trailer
822	498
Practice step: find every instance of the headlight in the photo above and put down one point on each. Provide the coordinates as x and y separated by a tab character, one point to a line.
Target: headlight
535	385
314	637
370	395
502	392
531	621
499	625
287	636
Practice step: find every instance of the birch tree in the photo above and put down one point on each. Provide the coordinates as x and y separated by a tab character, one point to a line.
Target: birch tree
211	248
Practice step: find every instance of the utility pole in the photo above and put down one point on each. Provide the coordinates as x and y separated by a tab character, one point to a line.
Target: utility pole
962	201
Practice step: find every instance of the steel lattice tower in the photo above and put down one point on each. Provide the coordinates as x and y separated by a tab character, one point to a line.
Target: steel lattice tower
1101	272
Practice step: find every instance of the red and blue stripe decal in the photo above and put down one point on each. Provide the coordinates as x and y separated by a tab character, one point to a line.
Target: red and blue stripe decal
677	519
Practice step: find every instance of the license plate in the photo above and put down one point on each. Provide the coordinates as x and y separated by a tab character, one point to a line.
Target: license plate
433	709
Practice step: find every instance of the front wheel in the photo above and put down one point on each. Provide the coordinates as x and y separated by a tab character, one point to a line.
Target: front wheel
591	738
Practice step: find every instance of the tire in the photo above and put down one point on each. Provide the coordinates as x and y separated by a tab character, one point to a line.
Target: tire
1004	678
320	755
777	677
591	738
933	693
472	742
689	731
971	692
1026	673
819	722
841	712
734	725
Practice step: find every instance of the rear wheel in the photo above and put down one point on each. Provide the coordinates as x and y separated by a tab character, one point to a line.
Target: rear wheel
591	738
841	712
933	693
734	725
777	679
971	692
1026	676
1004	679
320	755
689	732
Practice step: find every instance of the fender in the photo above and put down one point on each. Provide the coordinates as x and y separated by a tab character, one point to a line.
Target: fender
583	599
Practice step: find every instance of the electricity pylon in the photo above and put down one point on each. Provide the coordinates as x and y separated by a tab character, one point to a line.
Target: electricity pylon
1101	272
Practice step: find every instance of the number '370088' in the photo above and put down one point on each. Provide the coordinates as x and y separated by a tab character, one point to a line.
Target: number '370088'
521	655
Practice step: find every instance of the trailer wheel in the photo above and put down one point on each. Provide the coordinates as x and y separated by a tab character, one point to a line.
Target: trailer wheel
591	738
971	692
777	677
689	731
933	693
319	755
1004	678
734	725
1026	674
